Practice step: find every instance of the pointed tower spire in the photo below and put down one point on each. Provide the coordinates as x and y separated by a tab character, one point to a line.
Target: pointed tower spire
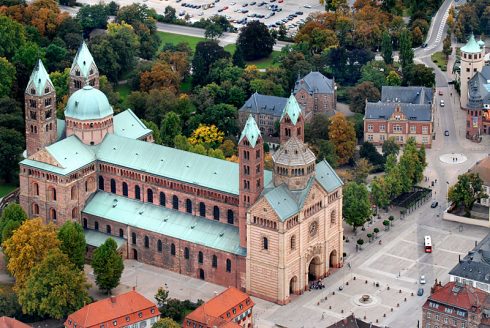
83	70
250	131
39	78
292	121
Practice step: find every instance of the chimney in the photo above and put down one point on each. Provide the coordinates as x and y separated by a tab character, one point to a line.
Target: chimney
113	299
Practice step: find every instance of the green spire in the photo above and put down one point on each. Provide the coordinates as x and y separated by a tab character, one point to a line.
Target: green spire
251	131
83	60
292	109
39	78
472	46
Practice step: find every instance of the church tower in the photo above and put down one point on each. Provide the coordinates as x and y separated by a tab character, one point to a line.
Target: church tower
40	110
251	166
292	121
83	70
472	61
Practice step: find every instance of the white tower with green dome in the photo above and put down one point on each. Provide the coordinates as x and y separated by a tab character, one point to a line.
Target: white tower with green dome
472	61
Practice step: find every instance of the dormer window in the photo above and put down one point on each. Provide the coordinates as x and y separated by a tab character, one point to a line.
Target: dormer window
46	90
77	73
33	91
91	71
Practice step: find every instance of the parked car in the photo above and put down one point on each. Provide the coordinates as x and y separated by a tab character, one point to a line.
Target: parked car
253	3
434	204
420	292
440	92
424	45
307	6
245	5
422	280
299	13
446	133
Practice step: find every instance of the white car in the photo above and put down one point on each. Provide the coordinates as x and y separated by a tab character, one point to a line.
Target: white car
422	280
442	103
307	6
233	3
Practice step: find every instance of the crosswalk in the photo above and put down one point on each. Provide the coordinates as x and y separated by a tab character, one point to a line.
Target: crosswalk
440	31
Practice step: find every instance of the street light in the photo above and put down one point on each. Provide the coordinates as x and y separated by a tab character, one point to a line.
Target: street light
447	194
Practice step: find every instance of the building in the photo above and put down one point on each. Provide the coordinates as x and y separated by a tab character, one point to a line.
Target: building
6	322
474	269
316	94
352	322
126	310
231	308
482	168
478	106
266	111
402	113
472	61
234	224
456	305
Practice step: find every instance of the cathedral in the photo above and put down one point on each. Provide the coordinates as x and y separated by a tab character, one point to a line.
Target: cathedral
234	224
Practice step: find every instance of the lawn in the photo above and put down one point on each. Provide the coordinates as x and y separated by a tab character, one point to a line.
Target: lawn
440	60
6	188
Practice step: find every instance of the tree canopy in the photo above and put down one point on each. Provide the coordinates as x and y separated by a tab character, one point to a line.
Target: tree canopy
108	265
356	207
255	41
73	243
467	191
343	136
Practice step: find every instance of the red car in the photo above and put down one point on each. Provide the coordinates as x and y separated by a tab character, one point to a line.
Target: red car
440	93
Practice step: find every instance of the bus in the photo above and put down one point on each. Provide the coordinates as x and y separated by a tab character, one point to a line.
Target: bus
428	244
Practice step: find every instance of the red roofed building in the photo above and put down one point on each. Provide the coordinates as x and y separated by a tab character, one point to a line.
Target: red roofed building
230	309
456	305
126	310
6	322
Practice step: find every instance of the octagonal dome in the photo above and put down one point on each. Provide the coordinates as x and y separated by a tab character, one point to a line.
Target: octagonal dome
88	104
293	153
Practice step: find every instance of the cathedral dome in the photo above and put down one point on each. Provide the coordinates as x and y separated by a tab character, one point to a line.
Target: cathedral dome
88	103
293	153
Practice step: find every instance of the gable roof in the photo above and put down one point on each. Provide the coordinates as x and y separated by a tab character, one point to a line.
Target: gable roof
292	109
250	131
479	88
413	112
169	222
458	295
476	264
111	308
408	95
6	322
315	82
39	78
83	60
263	104
127	124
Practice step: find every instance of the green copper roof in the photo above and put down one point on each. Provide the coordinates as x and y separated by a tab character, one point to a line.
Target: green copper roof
60	129
172	223
292	109
39	79
70	153
172	163
327	177
127	124
481	43
97	238
251	131
83	60
472	46
88	103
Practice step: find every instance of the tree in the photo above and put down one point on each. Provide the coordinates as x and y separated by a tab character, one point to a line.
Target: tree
213	31
355	206
125	43
379	192
360	242
169	14
362	170
369	152
342	134
55	57
224	116
108	265
7	77
54	288
387	48
93	17
160	76
362	92
419	75
70	31
467	191
375	71
255	41
316	37
12	36
27	247
73	243
11	147
166	323
238	59
161	296
170	128
45	16
106	57
390	147
406	51
317	128
207	53
326	151
60	82
228	148
446	46
11	114
393	79
12	213
207	135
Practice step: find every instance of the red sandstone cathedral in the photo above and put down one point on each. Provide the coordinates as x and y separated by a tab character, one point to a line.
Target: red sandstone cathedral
267	233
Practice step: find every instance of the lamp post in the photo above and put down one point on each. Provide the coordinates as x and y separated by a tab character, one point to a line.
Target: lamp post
447	194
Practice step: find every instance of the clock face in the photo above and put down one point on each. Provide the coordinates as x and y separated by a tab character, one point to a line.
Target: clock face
313	228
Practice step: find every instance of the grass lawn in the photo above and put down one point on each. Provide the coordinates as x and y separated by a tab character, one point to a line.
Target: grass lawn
440	60
6	188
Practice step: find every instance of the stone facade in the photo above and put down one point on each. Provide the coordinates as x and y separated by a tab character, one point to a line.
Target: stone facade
472	61
316	94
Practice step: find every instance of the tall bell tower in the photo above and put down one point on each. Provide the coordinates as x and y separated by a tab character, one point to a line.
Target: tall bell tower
292	123
83	71
472	61
40	110
251	163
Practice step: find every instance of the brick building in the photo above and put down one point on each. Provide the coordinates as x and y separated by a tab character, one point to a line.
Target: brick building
216	220
6	322
456	305
316	94
130	309
478	105
230	309
403	112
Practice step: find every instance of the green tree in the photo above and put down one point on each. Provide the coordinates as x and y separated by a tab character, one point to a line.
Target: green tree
419	75
379	192
106	57
467	191
126	45
60	82
369	152
393	79
375	71
169	14
224	116
73	243
93	17
446	46
343	136
11	116
55	57
108	265
406	51
12	36
7	77
171	127
9	229
362	170
393	179
12	213
387	48
317	128
362	92
326	151
11	147
213	31
166	323
207	53
55	287
356	208
255	41
9	304
157	136
390	147
161	296
238	59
